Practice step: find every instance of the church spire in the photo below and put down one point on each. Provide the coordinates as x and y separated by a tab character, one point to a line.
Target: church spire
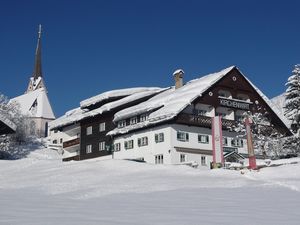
37	71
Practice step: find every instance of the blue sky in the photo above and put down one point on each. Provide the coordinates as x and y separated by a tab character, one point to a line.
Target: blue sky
89	47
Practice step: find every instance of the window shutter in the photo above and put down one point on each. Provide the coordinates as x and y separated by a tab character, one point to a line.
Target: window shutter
178	135
187	136
207	139
156	138
125	144
139	142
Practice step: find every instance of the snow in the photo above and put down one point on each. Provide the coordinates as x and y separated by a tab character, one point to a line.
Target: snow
8	122
39	97
114	94
178	71
279	102
79	114
41	189
70	117
167	105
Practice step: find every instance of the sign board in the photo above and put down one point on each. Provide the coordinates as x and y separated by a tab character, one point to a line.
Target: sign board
217	141
232	103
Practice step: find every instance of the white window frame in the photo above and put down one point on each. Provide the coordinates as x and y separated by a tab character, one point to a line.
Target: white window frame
129	144
203	138
102	146
117	147
122	123
143	141
159	137
89	130
183	158
182	136
237	142
133	120
88	149
102	127
203	160
159	159
143	117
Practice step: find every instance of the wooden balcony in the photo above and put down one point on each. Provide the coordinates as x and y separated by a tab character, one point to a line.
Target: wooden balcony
71	143
201	121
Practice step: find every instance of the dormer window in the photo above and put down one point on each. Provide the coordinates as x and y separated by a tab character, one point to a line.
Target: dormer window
133	120
121	123
144	117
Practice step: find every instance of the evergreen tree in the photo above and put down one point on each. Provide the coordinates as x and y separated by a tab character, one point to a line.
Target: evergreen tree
292	99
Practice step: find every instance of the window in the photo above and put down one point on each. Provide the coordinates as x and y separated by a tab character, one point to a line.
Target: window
225	141
133	120
143	141
203	138
143	117
203	160
102	146
182	136
128	144
89	130
159	159
102	127
54	141
183	158
200	112
121	123
88	149
237	142
61	140
159	137
117	147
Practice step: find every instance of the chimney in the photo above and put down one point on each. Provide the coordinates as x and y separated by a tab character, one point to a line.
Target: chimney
178	76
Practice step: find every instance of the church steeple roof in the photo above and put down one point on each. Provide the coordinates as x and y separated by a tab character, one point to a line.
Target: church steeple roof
37	71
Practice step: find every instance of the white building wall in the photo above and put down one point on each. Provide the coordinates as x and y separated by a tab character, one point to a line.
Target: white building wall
147	152
169	147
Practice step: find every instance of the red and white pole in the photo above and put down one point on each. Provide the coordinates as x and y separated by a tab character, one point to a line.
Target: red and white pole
252	159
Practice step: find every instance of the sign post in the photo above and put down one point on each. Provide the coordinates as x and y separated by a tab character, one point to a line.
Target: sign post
252	159
217	142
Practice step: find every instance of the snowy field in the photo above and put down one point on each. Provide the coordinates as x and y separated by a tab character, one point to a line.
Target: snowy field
40	190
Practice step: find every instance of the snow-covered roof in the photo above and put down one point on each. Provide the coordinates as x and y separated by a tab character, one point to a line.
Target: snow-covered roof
79	114
172	101
166	105
11	125
35	104
70	117
114	94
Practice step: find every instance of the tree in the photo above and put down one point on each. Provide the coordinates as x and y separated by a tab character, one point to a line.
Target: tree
266	138
8	143
292	110
292	99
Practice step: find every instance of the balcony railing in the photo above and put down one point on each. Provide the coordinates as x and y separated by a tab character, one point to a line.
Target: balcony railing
71	143
203	121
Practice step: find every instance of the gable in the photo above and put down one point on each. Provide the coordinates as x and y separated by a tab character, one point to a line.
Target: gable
240	94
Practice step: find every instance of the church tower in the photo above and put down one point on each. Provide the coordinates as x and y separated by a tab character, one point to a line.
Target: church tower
35	104
36	80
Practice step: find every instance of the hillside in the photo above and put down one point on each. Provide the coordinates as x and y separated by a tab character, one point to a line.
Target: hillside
40	189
